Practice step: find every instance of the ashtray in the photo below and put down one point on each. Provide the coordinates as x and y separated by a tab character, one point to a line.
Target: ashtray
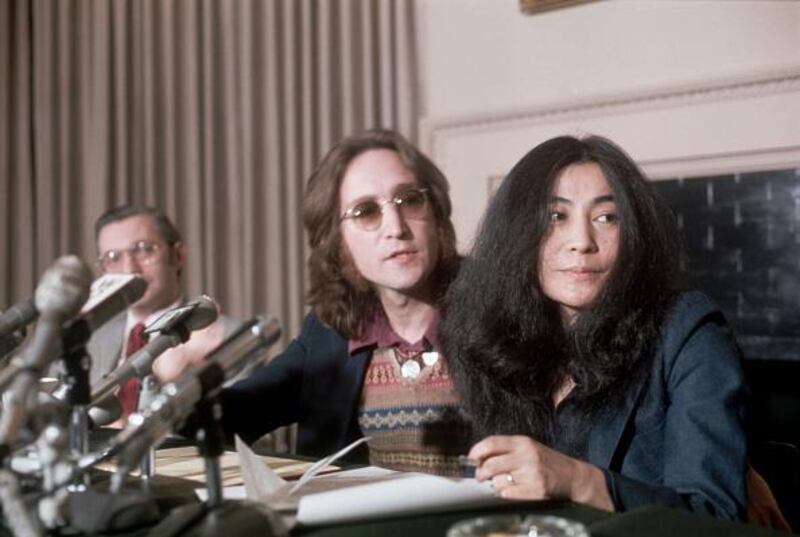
518	526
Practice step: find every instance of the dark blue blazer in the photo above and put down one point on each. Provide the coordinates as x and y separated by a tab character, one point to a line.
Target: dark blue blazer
314	383
678	438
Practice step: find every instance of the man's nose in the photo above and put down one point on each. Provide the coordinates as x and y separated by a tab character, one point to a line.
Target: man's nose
393	222
130	265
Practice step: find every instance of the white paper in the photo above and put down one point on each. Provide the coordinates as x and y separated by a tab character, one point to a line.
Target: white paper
355	495
260	481
229	493
344	478
406	494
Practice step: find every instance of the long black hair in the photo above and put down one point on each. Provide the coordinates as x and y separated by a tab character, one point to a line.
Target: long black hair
505	341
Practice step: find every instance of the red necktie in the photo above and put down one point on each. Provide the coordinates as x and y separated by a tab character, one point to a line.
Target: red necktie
129	390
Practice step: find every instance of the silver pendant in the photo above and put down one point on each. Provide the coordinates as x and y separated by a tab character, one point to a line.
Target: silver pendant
430	358
410	369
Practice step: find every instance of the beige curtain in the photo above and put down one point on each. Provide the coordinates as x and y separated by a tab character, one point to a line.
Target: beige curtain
214	110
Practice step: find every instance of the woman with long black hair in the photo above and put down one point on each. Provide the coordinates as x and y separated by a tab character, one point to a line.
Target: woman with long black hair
588	372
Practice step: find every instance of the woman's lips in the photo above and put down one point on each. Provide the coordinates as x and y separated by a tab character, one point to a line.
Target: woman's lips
582	273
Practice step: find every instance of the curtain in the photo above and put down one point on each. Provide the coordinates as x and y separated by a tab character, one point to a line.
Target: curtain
213	110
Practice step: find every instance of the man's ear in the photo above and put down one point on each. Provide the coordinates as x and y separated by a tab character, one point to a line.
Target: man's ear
179	255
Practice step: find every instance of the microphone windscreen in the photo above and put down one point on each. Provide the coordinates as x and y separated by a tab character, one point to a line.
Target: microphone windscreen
204	313
63	288
105	411
17	316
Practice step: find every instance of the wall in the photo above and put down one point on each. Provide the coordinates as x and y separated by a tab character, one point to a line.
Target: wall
688	88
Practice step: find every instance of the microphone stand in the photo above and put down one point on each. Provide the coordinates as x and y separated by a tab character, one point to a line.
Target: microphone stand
211	445
216	516
148	389
77	364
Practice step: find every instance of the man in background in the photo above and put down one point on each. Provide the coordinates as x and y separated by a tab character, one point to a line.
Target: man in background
141	240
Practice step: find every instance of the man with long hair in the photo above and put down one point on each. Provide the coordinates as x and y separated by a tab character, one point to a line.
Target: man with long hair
367	361
588	372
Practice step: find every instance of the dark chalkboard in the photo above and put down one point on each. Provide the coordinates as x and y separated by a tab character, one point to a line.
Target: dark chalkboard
741	233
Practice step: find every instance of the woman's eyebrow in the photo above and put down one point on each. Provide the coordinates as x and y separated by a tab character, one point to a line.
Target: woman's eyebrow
595	201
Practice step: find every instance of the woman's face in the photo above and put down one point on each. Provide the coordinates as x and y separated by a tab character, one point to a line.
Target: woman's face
400	253
580	247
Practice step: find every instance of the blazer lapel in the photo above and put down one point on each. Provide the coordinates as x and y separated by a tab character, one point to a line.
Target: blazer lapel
609	428
105	346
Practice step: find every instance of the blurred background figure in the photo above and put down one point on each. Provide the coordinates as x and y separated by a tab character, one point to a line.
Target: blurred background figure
141	240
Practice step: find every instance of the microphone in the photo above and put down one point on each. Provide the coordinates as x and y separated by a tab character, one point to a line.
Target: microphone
177	399
110	294
7	346
105	411
60	293
173	327
62	289
18	316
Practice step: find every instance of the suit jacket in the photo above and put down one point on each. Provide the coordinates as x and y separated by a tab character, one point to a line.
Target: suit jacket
678	437
314	383
105	345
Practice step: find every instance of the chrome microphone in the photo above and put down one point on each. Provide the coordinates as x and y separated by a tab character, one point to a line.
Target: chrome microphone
62	290
110	295
174	328
18	316
177	399
107	296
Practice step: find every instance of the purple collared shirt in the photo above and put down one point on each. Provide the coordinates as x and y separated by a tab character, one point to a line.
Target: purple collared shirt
380	334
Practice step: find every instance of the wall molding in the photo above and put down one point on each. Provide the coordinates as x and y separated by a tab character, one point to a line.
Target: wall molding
718	164
434	131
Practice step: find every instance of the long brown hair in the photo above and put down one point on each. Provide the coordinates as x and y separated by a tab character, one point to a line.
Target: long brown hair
339	296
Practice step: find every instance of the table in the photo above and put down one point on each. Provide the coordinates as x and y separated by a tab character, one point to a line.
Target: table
652	521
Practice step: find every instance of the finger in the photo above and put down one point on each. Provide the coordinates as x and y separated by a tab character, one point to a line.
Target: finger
495	465
503	481
521	492
490	446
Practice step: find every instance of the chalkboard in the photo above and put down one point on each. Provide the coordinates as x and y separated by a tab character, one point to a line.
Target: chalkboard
741	233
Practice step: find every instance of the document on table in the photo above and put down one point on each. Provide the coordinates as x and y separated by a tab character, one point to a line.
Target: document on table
354	495
404	494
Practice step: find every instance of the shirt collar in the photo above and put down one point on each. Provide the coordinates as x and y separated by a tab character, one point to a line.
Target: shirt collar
150	318
378	332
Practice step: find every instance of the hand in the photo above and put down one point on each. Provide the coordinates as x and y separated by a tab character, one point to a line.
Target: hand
174	361
522	468
762	507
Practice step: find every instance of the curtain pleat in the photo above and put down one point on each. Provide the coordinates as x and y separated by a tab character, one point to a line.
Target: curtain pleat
214	110
17	153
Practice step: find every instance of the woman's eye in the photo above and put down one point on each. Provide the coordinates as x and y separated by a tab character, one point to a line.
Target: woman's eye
607	218
555	216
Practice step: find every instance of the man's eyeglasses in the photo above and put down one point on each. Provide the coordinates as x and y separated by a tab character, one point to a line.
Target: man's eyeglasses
412	203
144	252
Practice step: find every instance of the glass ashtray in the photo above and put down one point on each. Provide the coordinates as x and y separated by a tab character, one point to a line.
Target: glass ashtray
518	526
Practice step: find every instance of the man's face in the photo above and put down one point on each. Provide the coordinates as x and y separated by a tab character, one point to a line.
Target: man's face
399	255
134	246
